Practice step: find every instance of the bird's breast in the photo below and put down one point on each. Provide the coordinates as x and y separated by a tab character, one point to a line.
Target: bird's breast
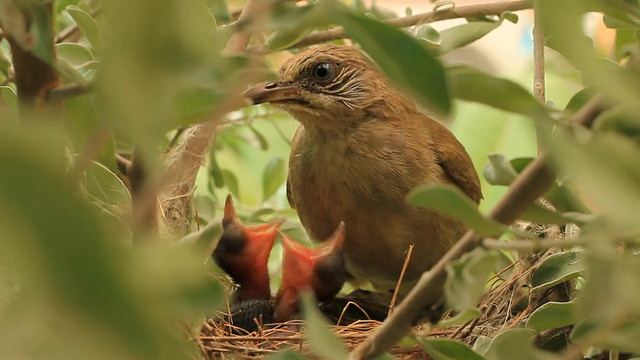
364	182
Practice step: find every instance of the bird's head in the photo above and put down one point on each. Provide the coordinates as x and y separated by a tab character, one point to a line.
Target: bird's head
243	253
324	87
321	271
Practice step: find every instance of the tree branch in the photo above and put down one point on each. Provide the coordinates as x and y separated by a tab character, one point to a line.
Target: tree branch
538	58
67	91
538	55
532	183
34	77
438	15
182	164
530	245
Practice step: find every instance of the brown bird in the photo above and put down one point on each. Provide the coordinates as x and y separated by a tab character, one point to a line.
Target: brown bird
361	147
320	271
243	253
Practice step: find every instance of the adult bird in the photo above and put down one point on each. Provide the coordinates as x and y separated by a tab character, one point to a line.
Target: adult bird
361	147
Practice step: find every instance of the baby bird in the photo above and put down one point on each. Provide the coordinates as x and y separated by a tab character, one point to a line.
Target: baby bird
243	253
320	271
361	147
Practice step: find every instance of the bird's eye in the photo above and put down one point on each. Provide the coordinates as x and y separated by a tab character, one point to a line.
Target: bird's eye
322	72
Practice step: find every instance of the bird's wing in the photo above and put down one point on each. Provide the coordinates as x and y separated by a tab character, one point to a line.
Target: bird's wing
293	163
456	163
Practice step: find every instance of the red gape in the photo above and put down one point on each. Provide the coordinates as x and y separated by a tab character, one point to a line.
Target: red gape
320	270
243	253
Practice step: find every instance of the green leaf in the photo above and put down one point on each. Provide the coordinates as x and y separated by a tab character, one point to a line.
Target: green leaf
193	104
15	24
442	4
580	99
219	10
264	144
322	340
466	278
256	215
462	35
609	296
206	206
87	25
620	22
9	98
448	349
76	55
290	17
275	173
564	200
499	170
106	190
604	170
203	242
65	256
621	120
429	34
42	32
287	355
460	318
215	172
552	315
472	85
482	344
542	215
557	269
516	344
402	58
283	39
382	13
231	181
625	337
450	200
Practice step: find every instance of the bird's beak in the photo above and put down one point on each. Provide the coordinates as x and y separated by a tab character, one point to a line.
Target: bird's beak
260	238
298	271
272	92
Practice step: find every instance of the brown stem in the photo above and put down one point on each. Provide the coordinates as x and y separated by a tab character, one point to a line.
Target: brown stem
532	183
182	165
538	55
67	91
438	15
33	77
538	58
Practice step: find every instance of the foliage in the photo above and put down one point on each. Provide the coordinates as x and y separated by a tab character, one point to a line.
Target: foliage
142	72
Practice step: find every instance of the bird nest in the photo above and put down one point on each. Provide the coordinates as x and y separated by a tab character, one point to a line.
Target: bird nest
507	304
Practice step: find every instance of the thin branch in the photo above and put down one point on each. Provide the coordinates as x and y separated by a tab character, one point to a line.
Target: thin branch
534	245
392	305
34	77
538	54
454	12
532	183
182	165
538	58
67	91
